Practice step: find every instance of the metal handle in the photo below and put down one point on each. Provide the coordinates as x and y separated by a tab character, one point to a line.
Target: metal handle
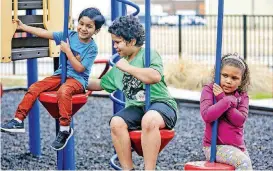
15	15
113	164
45	14
15	9
114	99
113	58
132	5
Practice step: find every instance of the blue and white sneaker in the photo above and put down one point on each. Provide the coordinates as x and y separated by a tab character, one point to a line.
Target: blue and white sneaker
62	139
13	126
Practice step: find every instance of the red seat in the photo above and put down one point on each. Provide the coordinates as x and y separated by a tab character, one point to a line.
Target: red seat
166	137
206	165
49	101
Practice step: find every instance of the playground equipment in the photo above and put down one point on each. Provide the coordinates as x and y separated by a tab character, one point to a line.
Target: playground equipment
31	48
211	165
135	136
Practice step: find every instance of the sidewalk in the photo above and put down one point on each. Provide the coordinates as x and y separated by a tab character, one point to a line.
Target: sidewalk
195	96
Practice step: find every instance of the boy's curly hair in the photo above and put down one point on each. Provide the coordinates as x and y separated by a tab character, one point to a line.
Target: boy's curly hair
129	28
238	64
95	15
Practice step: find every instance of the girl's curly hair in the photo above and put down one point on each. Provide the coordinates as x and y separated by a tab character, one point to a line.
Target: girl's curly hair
241	64
129	28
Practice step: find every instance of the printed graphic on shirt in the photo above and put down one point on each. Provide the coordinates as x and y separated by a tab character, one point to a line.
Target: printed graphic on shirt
133	88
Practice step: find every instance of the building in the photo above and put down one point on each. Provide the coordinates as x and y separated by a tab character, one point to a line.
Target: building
239	7
172	7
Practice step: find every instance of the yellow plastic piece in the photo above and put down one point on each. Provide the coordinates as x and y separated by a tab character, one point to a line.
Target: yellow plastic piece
53	20
7	28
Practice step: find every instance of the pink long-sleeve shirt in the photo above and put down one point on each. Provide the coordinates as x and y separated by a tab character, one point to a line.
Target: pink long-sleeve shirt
231	112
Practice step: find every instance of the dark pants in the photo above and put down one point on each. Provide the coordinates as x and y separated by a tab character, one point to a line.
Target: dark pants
132	115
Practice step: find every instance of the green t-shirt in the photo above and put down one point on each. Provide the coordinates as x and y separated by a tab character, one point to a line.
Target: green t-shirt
134	89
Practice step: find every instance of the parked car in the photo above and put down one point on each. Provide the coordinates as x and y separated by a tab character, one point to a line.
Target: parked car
172	20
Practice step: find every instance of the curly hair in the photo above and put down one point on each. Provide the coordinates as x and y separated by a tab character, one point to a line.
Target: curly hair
95	15
129	28
238	63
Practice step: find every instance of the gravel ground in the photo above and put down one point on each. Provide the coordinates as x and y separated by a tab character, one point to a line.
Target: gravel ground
93	147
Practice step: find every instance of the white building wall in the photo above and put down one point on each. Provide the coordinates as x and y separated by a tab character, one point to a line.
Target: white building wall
239	7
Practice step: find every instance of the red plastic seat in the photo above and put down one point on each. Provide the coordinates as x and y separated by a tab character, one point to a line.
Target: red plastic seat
206	165
49	101
166	137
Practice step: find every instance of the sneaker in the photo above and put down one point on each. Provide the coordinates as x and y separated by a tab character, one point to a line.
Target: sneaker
62	139
13	126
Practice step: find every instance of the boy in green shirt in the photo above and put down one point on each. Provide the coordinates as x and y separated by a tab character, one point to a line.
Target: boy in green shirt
130	76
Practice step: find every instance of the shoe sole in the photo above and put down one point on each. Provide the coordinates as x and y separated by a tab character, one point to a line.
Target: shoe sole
13	130
57	149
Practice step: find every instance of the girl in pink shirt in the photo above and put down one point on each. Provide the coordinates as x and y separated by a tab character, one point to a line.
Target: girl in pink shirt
231	110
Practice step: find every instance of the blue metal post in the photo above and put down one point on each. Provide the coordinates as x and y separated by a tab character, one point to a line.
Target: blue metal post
147	49
118	97
217	74
34	113
117	9
66	157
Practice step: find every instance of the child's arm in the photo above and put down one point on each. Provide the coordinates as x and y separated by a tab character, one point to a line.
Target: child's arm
34	30
209	111
94	85
70	56
238	116
145	75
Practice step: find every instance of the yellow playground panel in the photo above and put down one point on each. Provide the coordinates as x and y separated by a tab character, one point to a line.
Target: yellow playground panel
7	28
53	17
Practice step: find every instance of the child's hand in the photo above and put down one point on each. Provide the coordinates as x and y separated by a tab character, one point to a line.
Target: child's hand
217	89
20	25
233	100
122	64
65	47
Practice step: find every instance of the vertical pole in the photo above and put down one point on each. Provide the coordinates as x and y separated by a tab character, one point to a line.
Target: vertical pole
123	9
34	113
67	154
56	64
13	68
117	9
217	74
147	49
180	36
245	35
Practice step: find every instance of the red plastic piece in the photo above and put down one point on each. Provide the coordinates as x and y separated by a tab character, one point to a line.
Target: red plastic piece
206	165
49	101
166	137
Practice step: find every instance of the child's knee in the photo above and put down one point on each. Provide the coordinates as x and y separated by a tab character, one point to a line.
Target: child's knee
116	124
33	88
63	93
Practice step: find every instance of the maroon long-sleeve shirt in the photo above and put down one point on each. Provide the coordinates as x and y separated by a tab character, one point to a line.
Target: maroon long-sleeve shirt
231	112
